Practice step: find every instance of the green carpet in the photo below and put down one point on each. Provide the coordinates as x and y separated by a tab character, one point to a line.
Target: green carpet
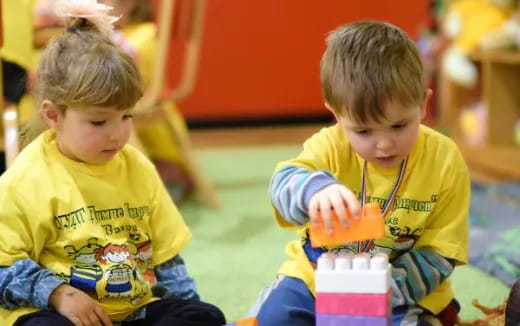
236	252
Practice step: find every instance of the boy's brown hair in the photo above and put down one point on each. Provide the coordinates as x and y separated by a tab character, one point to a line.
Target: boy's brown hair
368	64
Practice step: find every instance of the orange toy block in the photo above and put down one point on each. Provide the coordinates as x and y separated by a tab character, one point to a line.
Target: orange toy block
245	322
370	226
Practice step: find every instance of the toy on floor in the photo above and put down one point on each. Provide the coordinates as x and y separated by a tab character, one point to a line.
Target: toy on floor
245	322
371	225
507	314
494	316
353	290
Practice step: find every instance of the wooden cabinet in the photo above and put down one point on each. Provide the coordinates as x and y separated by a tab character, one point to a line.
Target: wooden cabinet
498	158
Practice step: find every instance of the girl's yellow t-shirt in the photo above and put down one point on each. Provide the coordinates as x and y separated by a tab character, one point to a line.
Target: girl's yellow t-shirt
100	228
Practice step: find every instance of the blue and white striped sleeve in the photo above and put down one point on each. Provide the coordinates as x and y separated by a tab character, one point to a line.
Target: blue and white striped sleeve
173	280
416	274
26	284
292	188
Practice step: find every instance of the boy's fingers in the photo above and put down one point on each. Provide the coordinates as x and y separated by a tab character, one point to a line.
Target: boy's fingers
313	211
352	203
338	205
326	216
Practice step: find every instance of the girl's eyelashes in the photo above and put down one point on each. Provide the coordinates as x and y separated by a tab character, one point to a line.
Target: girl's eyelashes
98	123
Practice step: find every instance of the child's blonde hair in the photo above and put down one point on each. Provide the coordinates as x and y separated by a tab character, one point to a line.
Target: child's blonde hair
368	64
81	68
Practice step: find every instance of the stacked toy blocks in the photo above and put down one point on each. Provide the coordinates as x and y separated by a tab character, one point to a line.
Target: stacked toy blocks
245	322
353	290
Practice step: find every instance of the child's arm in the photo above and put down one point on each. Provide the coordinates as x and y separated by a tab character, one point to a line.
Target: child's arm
173	280
416	273
291	190
299	194
444	242
26	284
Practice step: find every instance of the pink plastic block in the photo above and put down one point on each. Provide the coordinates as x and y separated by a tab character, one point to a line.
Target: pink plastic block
341	320
376	305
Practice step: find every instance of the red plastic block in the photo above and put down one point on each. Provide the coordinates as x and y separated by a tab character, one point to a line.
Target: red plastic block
376	305
370	226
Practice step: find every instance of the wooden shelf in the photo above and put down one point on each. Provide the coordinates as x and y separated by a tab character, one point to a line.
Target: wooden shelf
503	57
499	89
495	162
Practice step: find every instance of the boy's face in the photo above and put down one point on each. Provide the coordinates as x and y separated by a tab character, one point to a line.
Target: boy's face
92	135
388	142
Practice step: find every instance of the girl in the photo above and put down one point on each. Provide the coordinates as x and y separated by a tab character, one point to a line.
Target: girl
79	186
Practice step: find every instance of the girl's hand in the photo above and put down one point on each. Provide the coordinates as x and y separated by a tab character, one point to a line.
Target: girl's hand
78	307
337	197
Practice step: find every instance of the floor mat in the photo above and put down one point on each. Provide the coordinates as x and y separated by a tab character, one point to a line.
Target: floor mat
495	230
236	251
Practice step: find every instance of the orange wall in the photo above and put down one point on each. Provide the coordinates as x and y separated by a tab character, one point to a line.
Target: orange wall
260	59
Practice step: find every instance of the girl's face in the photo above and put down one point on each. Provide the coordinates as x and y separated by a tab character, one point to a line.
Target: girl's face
91	134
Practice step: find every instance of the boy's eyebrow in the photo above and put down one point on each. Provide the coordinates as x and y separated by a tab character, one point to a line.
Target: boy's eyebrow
355	126
400	121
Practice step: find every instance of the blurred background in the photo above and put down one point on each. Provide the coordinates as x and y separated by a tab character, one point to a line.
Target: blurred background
232	87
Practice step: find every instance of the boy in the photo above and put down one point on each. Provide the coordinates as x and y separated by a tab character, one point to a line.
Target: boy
373	83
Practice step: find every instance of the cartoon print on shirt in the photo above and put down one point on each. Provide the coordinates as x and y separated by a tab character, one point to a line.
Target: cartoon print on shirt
406	238
87	273
397	240
141	249
119	275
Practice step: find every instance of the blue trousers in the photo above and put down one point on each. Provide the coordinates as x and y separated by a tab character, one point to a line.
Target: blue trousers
290	303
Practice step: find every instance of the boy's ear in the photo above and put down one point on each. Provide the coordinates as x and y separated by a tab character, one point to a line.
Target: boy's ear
427	97
329	107
50	113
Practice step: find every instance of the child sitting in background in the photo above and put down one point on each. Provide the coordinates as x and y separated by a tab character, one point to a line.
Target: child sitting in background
373	82
89	234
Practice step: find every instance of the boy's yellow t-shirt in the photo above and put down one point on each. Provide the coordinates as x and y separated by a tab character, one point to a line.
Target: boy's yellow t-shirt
100	228
431	208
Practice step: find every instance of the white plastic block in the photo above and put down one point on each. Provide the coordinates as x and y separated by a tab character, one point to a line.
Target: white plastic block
347	273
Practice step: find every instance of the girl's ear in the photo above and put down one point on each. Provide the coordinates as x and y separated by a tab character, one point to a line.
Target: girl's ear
50	113
427	98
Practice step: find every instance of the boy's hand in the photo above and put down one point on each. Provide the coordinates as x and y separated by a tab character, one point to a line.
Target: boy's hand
337	197
78	307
